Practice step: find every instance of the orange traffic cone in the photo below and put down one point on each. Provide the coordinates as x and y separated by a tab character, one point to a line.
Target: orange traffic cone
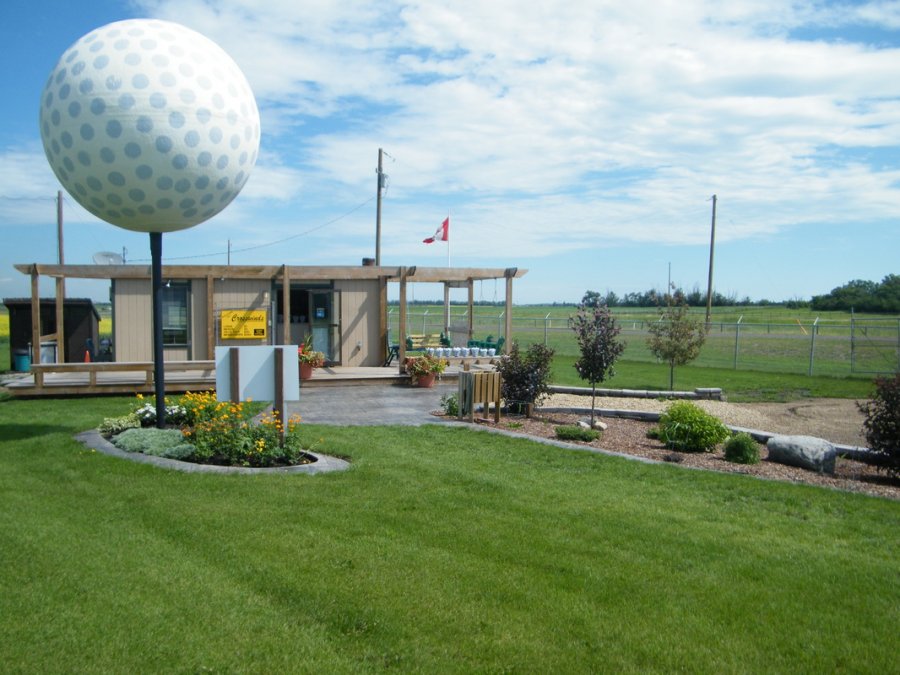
87	356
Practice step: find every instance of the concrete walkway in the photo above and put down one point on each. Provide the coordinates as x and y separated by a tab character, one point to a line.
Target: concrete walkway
370	404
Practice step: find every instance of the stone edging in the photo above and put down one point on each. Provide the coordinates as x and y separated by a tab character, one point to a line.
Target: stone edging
703	393
848	451
323	463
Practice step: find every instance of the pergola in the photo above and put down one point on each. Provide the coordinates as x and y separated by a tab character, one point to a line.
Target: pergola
450	277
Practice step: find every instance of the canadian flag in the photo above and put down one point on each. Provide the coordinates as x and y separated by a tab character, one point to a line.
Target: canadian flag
442	234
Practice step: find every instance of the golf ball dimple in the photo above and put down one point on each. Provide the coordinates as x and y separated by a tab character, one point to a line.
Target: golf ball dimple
149	125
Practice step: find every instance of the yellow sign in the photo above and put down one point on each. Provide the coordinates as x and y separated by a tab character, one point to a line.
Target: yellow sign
243	324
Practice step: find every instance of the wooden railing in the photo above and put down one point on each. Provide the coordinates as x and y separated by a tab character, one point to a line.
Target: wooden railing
94	382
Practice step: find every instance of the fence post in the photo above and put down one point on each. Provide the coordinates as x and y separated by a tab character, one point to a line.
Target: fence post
812	344
546	322
737	338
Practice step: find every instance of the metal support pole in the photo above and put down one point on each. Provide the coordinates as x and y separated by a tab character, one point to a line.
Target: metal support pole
812	344
712	250
158	366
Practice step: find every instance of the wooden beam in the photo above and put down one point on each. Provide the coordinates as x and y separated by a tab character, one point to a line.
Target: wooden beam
35	318
458	275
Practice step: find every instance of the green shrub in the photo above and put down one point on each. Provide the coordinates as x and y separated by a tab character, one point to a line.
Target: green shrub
573	432
742	449
116	425
450	405
686	427
882	424
152	441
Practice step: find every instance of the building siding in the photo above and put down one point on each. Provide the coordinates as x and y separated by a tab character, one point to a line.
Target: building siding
359	322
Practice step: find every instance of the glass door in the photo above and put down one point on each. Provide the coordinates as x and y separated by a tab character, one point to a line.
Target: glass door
325	322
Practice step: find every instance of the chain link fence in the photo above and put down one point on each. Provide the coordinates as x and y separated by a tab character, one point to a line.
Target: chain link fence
864	346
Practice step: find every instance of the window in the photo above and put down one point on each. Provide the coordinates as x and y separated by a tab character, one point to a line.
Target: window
175	322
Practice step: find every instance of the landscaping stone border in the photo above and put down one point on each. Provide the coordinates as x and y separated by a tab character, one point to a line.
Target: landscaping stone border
323	463
848	451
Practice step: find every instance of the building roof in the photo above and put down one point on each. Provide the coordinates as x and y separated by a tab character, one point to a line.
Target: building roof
448	275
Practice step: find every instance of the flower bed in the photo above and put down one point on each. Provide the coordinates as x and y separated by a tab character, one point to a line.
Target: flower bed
210	432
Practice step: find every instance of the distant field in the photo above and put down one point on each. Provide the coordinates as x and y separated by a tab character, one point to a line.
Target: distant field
773	339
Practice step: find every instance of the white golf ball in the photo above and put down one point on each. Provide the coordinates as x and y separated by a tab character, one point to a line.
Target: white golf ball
149	125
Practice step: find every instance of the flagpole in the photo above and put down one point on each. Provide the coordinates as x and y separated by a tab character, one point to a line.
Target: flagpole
448	238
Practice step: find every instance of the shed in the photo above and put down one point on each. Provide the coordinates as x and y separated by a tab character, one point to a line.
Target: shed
81	322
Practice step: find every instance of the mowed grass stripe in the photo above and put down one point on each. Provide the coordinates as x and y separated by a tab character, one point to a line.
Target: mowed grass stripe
441	550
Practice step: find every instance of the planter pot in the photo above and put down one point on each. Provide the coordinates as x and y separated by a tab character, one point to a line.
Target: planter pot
426	380
306	371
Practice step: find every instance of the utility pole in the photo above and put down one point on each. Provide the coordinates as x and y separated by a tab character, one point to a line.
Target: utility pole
378	210
712	247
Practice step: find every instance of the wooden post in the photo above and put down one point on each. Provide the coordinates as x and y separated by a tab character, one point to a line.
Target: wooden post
510	274
61	321
401	338
286	304
447	310
278	404
471	306
383	320
234	384
210	316
35	317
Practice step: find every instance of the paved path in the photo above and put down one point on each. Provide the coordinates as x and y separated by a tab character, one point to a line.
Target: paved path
370	404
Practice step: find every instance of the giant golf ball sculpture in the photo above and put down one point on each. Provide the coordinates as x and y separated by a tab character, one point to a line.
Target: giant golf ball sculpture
149	125
152	127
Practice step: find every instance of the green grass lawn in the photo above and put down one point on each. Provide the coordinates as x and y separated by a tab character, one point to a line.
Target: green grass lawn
441	550
738	385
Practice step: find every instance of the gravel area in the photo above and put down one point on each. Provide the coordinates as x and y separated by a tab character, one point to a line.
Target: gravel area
836	420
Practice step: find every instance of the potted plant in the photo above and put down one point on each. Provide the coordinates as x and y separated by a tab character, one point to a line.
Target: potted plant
309	359
423	369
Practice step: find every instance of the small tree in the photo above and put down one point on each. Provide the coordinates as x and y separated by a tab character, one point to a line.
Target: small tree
596	331
882	424
525	377
677	337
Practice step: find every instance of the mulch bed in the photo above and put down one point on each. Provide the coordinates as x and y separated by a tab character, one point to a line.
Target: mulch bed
630	437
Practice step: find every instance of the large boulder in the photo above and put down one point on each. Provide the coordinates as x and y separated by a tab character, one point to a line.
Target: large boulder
807	452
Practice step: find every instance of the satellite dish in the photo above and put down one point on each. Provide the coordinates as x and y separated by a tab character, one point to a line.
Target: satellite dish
108	258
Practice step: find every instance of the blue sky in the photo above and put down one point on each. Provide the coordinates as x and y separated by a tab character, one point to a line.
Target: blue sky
580	140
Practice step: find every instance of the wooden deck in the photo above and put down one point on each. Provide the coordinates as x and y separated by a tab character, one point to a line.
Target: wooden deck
96	379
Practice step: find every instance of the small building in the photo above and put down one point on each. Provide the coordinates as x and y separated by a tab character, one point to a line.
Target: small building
78	333
343	310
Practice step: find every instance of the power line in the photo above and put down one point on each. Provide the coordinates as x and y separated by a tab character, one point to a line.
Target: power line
271	243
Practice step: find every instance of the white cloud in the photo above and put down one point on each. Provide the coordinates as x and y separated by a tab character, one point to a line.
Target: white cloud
554	126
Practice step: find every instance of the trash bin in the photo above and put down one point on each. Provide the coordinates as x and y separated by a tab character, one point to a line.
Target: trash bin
48	352
21	360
